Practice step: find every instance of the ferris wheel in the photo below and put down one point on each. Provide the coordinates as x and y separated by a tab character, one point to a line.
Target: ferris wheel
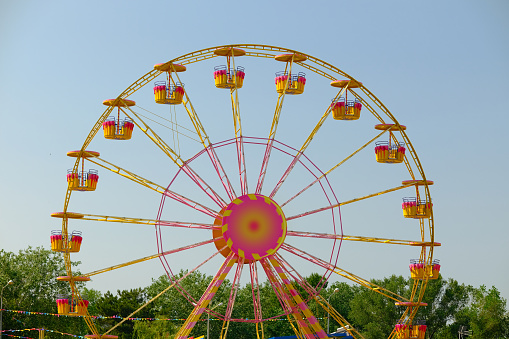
259	201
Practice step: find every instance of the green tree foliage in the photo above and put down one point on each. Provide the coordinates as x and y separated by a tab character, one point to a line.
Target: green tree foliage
375	315
122	304
340	301
450	304
445	298
35	288
487	314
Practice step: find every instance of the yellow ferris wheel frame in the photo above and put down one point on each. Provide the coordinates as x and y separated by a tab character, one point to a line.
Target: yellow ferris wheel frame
339	79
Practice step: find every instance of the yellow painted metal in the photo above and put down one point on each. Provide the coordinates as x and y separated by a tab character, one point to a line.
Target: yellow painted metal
368	284
205	141
140	221
296	318
344	83
170	67
337	316
369	101
321	122
363	238
142	181
237	124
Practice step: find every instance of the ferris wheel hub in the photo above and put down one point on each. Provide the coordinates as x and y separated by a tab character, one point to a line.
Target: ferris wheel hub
253	226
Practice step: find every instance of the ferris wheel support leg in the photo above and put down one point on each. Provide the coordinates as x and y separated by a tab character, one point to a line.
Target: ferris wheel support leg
286	302
319	299
207	297
161	293
231	300
314	324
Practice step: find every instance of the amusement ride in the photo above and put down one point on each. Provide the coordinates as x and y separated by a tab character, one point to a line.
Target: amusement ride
261	209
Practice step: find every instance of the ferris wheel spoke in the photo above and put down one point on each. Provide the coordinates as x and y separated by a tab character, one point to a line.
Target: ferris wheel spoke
177	281
211	290
255	293
233	296
419	243
141	221
333	168
292	312
332	268
272	133
162	145
150	257
306	144
205	141
155	187
311	290
239	142
348	202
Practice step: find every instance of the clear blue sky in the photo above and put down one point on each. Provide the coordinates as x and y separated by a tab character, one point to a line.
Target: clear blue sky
440	67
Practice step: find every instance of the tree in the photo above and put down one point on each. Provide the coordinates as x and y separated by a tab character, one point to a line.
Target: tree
35	288
445	299
341	300
375	315
122	304
488	315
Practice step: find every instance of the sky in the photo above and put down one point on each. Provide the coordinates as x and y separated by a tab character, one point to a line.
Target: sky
440	67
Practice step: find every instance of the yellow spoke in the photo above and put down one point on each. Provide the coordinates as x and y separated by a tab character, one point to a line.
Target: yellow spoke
348	202
149	184
348	275
141	221
361	238
150	257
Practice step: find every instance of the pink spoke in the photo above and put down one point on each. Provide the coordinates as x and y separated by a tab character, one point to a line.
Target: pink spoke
314	235
180	249
265	163
301	191
242	164
285	175
221	173
171	276
297	277
307	256
190	203
203	185
294	275
255	291
187	225
313	211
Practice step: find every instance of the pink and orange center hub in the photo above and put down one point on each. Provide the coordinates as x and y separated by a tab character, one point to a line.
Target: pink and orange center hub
253	226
